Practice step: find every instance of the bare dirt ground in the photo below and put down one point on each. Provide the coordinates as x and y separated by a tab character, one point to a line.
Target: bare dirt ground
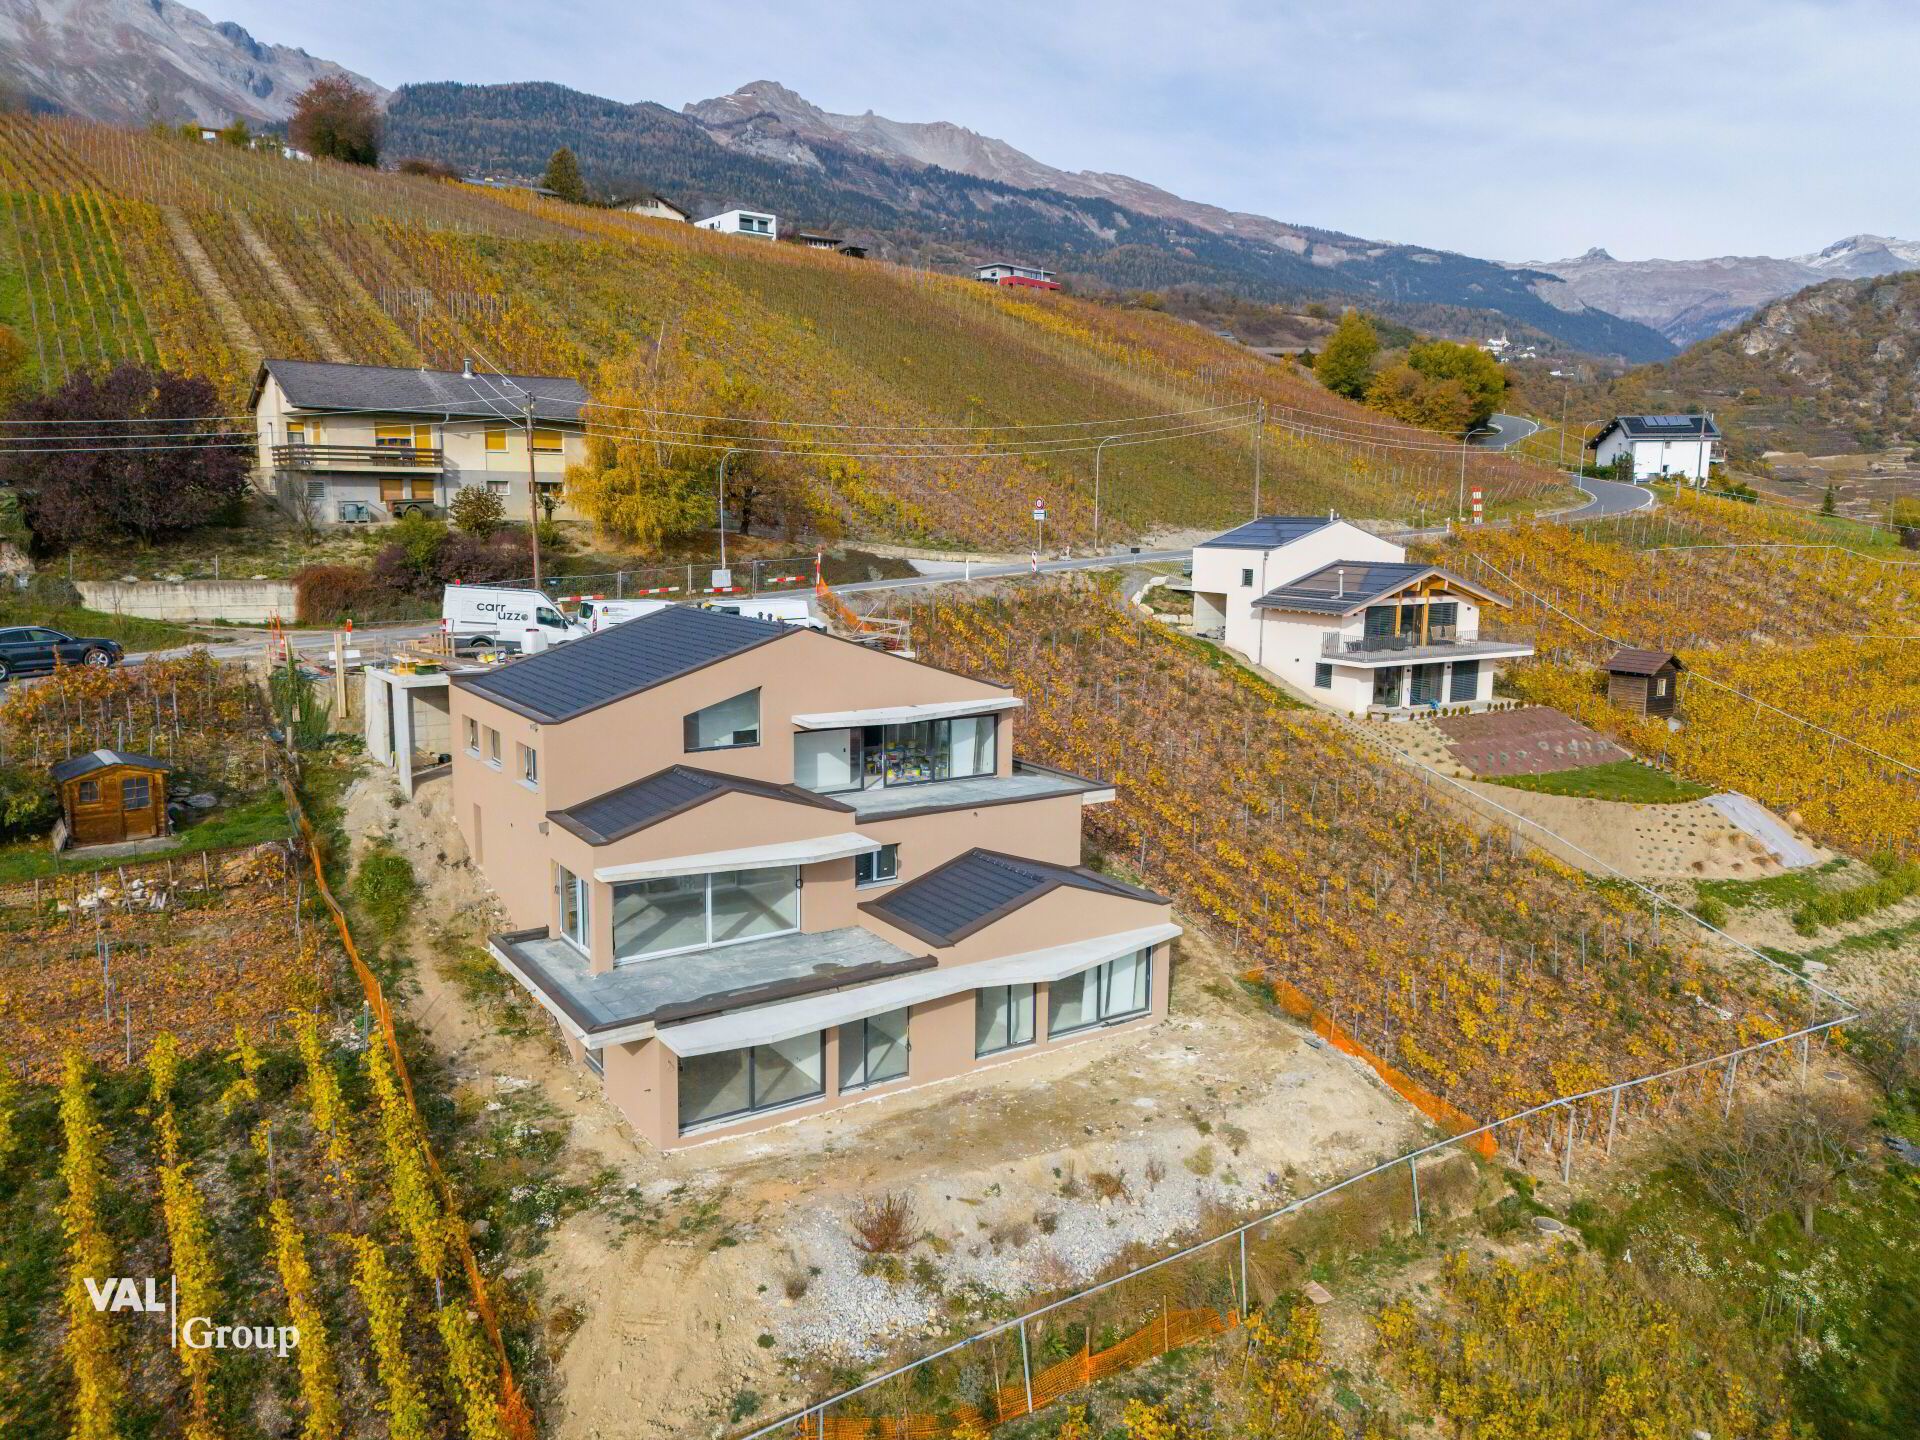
714	1274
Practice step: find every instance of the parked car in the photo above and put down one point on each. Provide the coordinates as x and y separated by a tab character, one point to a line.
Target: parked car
27	648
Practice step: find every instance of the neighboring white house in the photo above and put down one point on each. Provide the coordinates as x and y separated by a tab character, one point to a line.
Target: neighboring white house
1006	272
742	222
347	444
656	207
1343	617
1660	445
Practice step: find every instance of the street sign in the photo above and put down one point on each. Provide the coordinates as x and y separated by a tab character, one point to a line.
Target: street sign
1039	512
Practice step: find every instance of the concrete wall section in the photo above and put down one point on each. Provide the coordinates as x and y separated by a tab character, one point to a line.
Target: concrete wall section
244	602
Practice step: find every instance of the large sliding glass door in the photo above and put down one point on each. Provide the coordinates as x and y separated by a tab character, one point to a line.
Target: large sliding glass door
918	753
691	912
760	1077
874	1050
1118	990
1002	1018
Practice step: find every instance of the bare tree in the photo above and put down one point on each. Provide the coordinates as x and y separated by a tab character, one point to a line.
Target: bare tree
1780	1154
1889	1043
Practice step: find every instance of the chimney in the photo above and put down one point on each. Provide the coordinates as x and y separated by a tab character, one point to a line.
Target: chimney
1341	575
466	368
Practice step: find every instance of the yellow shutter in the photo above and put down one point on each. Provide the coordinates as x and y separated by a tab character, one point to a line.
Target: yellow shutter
398	436
546	442
496	437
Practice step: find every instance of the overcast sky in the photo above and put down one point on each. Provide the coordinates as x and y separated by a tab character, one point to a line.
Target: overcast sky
1500	128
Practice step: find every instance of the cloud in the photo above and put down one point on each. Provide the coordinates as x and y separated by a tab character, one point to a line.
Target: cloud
1514	130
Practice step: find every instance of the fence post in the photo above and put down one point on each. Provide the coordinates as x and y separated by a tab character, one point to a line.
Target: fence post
1566	1150
1246	1301
1726	1108
1026	1366
1413	1170
1613	1120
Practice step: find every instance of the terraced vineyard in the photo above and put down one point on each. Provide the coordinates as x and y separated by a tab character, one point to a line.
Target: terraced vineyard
1777	625
1494	980
131	245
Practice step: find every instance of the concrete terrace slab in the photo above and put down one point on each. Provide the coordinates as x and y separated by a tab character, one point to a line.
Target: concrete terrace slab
1535	740
879	804
699	982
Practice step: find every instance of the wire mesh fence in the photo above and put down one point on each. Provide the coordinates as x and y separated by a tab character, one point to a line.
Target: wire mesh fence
1204	1290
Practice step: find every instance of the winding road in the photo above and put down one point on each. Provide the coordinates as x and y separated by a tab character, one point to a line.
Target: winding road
1508	431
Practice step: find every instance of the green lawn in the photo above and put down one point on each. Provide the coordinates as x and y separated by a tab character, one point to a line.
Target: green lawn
1627	781
1776	892
131	631
250	823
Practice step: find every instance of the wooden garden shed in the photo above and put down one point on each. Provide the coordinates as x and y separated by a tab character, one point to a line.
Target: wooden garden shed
108	796
1644	681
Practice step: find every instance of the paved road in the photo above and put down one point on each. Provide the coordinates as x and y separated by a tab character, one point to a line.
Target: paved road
1610	497
1509	430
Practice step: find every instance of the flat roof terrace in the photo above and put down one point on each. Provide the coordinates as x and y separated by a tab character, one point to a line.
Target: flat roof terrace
701	982
1028	782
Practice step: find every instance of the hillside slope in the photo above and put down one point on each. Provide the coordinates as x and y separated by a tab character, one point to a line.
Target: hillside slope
116	243
132	61
816	176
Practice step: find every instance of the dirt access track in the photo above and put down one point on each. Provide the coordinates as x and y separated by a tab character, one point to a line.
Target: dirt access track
729	1267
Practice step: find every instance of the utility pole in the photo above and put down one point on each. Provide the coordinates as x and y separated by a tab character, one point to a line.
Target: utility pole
1259	432
533	489
721	516
1096	491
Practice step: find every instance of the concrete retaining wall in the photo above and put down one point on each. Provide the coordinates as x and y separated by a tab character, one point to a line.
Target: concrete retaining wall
246	602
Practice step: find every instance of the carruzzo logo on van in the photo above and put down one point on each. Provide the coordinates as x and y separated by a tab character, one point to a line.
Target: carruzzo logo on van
195	1332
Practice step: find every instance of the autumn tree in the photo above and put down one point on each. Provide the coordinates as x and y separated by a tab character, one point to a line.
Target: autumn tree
1345	364
334	119
429	168
563	177
137	481
652	488
1480	376
1404	393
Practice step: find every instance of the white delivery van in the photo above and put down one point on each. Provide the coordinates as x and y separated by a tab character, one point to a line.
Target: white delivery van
795	609
600	614
481	616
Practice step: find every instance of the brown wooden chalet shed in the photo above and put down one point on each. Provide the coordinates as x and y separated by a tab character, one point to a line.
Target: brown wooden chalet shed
109	796
1644	681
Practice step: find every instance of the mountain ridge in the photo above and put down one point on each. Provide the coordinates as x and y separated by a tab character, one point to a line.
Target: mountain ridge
1692	300
135	61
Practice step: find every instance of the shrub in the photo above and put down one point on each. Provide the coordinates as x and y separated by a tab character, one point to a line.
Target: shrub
884	1226
1711	911
1896	880
477	510
328	594
384	885
1108	1185
27	804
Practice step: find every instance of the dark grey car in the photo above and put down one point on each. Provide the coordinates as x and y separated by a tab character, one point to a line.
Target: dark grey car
25	649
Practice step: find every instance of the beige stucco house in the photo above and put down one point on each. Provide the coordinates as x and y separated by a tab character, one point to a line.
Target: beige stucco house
755	871
349	444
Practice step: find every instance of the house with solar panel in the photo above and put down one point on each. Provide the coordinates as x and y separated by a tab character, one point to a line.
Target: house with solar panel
1657	446
1342	617
754	871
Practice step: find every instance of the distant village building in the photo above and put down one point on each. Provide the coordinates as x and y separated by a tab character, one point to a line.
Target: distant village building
756	223
1005	272
1660	445
1644	681
487	182
655	207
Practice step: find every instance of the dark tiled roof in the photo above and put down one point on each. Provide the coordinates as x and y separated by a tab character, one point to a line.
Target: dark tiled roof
973	890
1268	531
636	655
316	385
1660	427
76	765
1349	585
1642	662
619	813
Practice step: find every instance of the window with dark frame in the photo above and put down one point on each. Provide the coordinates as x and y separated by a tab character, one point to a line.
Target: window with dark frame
136	792
728	1083
89	792
724	725
1002	1019
1246	579
874	1050
574	922
877	867
1323	677
1119	990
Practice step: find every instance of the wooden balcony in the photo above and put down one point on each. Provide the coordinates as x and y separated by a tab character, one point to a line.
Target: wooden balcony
366	458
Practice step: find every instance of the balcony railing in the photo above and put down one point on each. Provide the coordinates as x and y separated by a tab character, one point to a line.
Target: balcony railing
1439	638
357	457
